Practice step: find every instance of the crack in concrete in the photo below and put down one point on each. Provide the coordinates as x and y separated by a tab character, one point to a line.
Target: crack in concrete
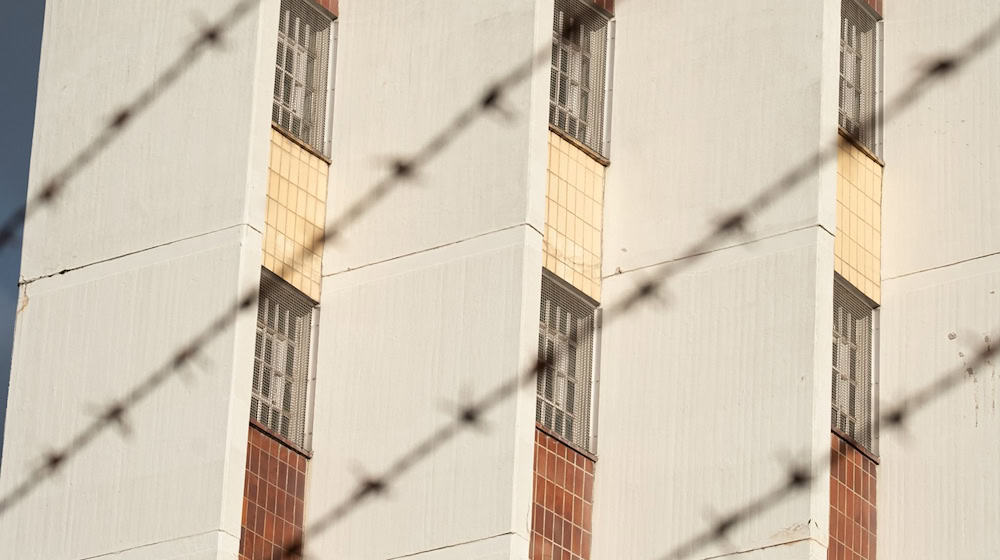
26	281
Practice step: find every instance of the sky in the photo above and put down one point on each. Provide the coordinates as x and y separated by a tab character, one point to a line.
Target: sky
20	33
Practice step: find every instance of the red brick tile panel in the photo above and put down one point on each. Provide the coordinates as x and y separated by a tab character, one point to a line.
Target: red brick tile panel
273	495
852	503
330	5
609	5
563	500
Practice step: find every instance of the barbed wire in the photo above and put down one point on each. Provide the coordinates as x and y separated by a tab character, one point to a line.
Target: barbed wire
54	186
732	222
403	169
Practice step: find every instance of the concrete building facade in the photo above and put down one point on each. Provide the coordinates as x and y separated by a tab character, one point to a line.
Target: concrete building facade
509	243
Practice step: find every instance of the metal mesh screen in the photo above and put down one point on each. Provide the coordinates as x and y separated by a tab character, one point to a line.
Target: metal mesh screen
300	72
576	90
281	358
860	74
853	387
566	338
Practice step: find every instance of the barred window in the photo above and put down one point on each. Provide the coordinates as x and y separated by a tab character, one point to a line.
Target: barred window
576	89
566	340
853	388
300	74
281	358
860	74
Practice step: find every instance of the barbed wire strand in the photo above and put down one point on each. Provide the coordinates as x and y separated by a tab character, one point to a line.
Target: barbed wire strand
735	221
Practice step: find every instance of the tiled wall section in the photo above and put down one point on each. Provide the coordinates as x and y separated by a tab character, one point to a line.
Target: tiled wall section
858	244
876	5
296	210
330	5
562	503
574	214
273	497
852	503
609	5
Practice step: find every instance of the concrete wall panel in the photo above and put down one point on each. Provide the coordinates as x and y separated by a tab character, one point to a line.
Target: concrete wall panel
710	106
86	338
402	345
706	397
707	394
942	166
193	162
394	95
941	280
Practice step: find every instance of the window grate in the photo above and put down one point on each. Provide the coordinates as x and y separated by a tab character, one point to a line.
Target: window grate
300	74
576	88
281	358
860	75
566	340
853	389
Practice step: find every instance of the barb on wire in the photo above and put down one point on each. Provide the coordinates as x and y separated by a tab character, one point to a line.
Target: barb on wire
210	36
401	170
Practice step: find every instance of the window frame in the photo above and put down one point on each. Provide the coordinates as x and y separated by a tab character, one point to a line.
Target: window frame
285	99
298	433
851	125
586	381
598	77
872	389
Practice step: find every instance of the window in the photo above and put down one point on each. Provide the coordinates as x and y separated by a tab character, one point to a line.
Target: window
576	89
300	74
281	358
567	336
853	380
860	75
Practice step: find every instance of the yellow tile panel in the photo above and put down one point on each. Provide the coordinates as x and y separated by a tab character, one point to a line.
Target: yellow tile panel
296	210
574	205
858	244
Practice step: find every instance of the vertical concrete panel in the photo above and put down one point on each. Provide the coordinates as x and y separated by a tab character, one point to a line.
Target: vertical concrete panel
940	184
394	96
731	102
938	482
708	393
431	295
150	243
86	338
183	165
403	345
941	280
